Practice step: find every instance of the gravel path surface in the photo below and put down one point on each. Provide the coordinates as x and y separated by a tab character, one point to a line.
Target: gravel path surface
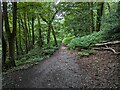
65	70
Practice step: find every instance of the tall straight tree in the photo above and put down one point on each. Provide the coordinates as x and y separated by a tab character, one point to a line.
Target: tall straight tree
11	35
118	9
92	17
33	36
49	22
4	47
54	36
40	32
99	15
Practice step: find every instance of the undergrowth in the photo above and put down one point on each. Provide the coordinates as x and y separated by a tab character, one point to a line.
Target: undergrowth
85	41
34	56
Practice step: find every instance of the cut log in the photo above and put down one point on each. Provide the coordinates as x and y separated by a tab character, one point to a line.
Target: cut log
108	43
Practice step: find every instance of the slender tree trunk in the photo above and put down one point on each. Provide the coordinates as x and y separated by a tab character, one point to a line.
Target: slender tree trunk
29	35
20	43
4	47
40	33
108	7
17	48
118	9
48	33
99	15
92	17
26	33
53	32
33	36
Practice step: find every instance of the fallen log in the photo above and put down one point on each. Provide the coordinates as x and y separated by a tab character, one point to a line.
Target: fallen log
109	48
108	43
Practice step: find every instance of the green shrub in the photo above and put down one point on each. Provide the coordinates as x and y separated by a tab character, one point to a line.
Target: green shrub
111	27
86	41
36	55
67	40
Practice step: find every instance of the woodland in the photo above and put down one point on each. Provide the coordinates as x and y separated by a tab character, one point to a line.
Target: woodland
34	31
41	27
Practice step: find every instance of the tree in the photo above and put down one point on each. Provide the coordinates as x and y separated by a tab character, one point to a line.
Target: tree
33	36
92	17
4	47
99	15
11	35
40	32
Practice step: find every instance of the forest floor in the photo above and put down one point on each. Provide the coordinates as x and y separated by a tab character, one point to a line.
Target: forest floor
65	69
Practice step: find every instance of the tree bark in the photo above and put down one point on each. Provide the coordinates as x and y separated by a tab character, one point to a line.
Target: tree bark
20	43
11	36
92	17
26	33
4	47
17	48
99	15
40	33
118	9
53	32
48	33
33	36
12	52
108	7
29	35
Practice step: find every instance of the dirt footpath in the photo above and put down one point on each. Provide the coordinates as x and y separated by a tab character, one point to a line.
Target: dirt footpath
65	70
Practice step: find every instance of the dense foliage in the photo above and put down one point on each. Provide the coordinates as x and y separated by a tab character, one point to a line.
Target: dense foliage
34	31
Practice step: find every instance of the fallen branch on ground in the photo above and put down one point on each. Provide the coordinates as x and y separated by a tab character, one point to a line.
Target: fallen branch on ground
108	43
108	48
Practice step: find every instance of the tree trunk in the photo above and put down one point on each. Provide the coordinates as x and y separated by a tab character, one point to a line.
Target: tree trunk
53	32
33	36
48	33
26	33
99	15
29	35
118	9
40	33
4	47
108	7
12	52
11	36
17	48
20	45
92	17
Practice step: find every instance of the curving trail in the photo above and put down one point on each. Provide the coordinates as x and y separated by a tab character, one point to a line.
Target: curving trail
65	70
